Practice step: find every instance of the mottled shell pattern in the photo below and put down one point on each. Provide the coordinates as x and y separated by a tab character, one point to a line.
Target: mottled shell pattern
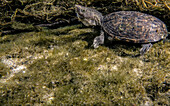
136	27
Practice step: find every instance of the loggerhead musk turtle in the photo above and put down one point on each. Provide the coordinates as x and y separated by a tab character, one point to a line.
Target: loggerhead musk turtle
129	26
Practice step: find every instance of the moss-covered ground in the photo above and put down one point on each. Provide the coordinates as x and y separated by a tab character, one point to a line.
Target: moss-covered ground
59	66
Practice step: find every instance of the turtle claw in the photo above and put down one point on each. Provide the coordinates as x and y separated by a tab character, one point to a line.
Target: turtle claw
98	40
145	48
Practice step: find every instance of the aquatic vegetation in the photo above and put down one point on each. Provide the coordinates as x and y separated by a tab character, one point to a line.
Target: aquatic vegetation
58	66
34	12
64	69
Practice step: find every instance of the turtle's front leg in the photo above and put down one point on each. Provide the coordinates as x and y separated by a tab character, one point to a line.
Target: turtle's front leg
98	40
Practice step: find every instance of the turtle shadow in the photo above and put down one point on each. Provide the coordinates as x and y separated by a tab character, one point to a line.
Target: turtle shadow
123	49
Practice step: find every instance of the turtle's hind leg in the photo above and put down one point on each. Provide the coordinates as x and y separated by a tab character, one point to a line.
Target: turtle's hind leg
145	48
98	40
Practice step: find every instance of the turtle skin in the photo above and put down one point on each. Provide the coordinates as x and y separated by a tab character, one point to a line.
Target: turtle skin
135	27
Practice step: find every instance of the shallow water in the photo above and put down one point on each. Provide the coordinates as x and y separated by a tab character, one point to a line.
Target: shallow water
59	66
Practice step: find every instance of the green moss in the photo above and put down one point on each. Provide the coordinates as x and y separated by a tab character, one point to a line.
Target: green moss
3	70
22	26
61	67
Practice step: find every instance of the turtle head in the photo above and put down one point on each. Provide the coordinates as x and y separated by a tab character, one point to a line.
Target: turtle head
88	16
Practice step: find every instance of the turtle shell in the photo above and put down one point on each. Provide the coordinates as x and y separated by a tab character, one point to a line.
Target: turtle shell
136	27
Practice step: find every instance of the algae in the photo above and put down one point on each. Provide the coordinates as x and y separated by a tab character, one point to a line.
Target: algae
59	66
49	69
35	12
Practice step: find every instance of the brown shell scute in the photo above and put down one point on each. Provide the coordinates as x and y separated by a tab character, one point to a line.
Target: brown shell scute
134	27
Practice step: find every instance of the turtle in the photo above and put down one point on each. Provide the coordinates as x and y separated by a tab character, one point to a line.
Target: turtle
128	26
